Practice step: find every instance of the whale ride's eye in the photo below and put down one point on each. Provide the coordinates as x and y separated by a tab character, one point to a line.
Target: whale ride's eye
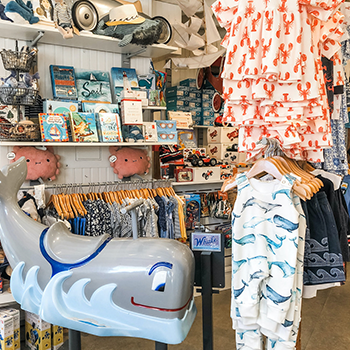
159	281
28	160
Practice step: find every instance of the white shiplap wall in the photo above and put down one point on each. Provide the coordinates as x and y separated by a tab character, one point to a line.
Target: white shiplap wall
79	164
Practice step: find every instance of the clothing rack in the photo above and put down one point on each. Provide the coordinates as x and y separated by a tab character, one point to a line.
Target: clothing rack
151	183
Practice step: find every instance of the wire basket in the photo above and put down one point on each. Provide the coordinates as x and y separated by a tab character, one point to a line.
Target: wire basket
19	132
13	60
18	96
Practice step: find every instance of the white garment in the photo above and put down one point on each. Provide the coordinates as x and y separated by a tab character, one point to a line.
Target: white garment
268	227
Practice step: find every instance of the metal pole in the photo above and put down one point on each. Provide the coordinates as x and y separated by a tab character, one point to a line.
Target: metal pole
207	301
161	346
74	340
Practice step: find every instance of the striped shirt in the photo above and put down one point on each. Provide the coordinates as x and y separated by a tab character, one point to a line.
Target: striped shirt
62	13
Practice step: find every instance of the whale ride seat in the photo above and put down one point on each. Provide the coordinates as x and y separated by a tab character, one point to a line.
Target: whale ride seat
78	249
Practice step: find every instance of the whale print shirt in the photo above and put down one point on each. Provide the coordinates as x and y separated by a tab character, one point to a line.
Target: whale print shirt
267	231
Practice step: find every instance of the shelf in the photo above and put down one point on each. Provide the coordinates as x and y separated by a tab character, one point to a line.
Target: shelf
83	144
85	40
201	126
6	299
196	183
155	108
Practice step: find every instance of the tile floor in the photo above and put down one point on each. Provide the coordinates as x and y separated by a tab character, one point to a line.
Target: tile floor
325	326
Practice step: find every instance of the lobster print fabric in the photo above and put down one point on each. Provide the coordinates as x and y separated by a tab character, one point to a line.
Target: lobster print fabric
273	79
268	236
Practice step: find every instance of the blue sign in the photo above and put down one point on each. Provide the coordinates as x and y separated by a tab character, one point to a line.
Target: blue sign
210	242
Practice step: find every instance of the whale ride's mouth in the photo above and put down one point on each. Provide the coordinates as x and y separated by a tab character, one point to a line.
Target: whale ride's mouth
133	302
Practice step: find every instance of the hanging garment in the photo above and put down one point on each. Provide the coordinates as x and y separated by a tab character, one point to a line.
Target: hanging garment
266	234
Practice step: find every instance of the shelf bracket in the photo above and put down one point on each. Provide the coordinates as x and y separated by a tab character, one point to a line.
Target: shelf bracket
127	56
34	42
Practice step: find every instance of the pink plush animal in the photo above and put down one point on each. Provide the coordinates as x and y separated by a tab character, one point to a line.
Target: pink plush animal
40	163
127	161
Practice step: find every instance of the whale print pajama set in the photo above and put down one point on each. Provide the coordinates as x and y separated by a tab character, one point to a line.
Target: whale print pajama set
273	80
268	233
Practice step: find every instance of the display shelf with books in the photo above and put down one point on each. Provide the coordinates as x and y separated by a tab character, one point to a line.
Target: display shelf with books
84	144
85	40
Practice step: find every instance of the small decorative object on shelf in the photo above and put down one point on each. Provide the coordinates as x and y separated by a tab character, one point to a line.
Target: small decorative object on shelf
25	130
22	61
19	89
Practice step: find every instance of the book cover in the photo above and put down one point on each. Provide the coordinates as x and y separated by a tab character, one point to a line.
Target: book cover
63	82
100	107
109	127
93	86
84	128
117	80
53	127
59	107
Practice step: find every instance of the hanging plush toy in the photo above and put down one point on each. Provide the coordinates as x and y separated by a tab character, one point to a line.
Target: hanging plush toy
127	161
41	163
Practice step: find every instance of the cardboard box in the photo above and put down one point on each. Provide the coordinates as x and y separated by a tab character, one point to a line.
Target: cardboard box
206	174
56	337
226	172
131	111
15	314
218	150
183	119
189	82
195	95
195	104
38	332
135	95
222	134
180	91
6	331
149	130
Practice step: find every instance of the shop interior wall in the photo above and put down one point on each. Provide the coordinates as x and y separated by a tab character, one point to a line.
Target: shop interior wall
79	164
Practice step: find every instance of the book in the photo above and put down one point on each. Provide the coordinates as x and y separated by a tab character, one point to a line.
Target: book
84	128
53	127
93	86
117	75
63	82
59	107
109	128
100	107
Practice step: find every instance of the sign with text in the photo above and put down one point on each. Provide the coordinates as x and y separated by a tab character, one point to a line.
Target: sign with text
210	242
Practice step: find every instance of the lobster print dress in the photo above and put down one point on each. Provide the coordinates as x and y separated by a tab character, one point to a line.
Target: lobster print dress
273	83
268	232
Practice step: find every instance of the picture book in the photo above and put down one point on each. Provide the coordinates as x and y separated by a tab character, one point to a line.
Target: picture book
63	82
84	128
53	127
59	107
93	86
117	80
100	107
109	128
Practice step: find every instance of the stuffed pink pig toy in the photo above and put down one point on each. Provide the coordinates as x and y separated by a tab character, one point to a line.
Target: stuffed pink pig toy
40	163
127	161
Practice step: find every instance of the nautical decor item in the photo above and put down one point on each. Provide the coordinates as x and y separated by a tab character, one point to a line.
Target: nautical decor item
186	36
125	24
99	285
